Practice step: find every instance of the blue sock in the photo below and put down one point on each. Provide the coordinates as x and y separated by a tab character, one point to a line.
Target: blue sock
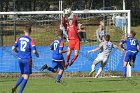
23	84
58	77
124	71
18	81
50	69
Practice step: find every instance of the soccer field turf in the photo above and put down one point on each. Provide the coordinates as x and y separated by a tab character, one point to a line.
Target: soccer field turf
76	85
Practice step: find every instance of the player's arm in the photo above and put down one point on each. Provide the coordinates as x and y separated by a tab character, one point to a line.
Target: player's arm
61	48
122	42
96	49
36	53
14	47
93	50
120	48
75	20
64	22
33	47
138	46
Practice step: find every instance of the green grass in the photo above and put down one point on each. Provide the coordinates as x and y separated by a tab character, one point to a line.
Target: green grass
76	85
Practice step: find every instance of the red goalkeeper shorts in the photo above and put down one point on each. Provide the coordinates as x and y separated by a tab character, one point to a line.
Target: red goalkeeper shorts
74	44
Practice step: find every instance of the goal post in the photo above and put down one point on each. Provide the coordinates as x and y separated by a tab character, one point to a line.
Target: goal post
46	23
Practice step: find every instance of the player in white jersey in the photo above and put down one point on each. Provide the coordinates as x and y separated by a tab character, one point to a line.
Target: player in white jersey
102	57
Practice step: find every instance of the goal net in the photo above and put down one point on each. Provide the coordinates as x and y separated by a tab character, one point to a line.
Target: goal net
45	25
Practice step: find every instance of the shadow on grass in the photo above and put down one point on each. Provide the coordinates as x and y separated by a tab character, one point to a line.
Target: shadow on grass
106	91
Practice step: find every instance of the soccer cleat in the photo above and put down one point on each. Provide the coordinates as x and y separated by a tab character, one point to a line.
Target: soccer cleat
67	64
91	73
58	81
13	90
44	67
71	63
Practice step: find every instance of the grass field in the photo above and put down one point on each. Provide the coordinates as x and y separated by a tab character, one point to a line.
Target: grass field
76	85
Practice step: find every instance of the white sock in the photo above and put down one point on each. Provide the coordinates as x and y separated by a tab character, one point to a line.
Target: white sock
93	67
99	72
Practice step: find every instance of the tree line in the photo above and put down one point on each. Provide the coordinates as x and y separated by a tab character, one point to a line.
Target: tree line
45	5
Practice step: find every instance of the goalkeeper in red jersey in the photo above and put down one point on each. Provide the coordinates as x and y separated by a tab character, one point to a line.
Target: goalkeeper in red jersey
73	40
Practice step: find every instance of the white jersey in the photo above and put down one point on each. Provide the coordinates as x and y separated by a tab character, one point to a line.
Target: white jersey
106	47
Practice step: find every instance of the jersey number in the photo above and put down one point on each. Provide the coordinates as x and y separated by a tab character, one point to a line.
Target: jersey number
55	45
132	42
108	47
23	45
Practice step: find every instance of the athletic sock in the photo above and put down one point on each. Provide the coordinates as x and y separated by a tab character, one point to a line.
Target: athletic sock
93	67
74	58
58	77
124	71
67	58
23	84
98	73
20	79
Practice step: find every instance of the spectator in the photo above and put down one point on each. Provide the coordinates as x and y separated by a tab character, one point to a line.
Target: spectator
82	33
100	32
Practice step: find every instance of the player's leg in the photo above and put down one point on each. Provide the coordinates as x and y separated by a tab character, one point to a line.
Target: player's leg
52	69
76	48
26	74
126	60
132	60
75	57
59	76
24	82
20	79
95	62
100	69
68	57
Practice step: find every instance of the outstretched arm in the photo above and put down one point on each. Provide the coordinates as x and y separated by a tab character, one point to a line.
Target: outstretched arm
120	48
64	22
63	51
93	50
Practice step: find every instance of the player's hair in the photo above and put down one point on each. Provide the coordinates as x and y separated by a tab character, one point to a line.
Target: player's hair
28	29
107	37
60	33
133	33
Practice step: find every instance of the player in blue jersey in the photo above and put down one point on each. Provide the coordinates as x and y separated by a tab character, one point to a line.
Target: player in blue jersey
24	46
132	48
57	57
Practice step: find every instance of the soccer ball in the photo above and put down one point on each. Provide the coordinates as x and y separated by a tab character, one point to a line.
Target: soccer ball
67	11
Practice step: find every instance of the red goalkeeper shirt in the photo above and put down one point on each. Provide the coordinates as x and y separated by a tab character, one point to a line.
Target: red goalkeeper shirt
71	29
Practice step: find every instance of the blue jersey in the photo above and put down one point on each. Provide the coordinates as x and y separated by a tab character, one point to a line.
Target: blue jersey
131	44
57	45
25	45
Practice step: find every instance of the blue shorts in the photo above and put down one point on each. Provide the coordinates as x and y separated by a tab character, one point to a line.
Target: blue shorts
25	66
58	64
130	56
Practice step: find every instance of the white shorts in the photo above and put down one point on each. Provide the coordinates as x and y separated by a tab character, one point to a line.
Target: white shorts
102	57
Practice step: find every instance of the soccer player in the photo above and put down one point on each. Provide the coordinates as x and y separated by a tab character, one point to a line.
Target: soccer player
132	48
73	39
102	57
57	57
24	45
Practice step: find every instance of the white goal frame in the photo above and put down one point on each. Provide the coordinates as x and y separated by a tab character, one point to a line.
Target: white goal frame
81	12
